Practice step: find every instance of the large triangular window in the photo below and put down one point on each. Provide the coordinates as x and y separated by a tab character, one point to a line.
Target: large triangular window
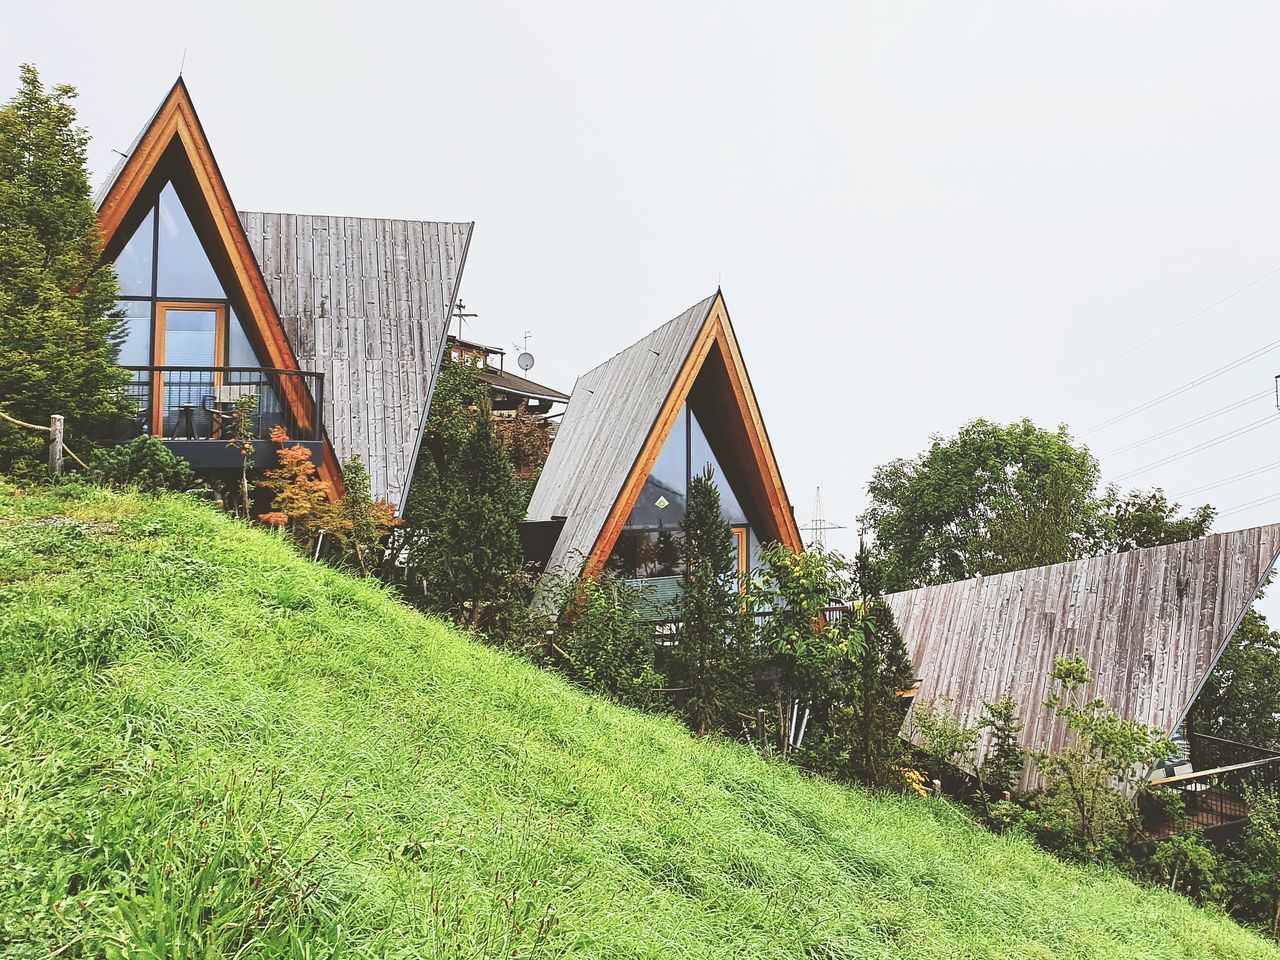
648	547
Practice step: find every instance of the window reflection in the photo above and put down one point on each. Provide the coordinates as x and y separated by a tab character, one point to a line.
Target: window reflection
135	350
133	266
183	268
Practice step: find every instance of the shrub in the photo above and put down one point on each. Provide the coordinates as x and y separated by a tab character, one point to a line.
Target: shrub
605	643
364	522
301	502
145	463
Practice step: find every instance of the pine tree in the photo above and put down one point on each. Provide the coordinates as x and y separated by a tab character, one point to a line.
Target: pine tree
713	642
59	331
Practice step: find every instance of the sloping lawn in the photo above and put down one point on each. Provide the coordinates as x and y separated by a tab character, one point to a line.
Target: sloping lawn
211	747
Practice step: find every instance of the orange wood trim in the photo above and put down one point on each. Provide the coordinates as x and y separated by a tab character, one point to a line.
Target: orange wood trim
157	378
715	332
176	120
648	455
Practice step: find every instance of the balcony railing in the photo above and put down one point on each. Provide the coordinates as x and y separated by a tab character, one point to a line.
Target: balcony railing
195	403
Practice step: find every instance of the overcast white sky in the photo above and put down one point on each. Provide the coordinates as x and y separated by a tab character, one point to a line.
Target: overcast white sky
919	213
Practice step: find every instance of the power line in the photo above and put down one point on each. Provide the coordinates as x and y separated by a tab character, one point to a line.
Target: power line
1228	480
1190	423
1239	432
1241	507
1190	385
1181	323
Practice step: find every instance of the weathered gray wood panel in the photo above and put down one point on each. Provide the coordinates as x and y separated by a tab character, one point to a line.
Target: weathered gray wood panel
367	303
610	413
1150	623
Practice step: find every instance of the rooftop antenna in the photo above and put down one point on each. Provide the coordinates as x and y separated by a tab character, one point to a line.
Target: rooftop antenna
183	62
817	527
526	358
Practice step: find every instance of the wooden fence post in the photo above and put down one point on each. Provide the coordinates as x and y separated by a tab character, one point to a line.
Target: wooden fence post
55	445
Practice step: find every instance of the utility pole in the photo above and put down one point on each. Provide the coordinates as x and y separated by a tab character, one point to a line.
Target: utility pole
460	311
817	527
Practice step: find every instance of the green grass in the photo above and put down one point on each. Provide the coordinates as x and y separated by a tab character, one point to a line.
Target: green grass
211	747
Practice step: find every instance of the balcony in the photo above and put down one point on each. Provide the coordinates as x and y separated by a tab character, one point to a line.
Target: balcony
190	409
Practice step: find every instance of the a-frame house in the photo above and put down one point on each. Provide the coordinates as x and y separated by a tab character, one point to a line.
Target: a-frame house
637	428
336	324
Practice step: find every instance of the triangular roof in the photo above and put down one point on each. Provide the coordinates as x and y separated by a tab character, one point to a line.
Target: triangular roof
1151	624
367	303
173	148
619	416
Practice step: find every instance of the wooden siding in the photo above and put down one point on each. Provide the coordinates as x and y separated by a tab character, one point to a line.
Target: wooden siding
611	412
367	303
1151	624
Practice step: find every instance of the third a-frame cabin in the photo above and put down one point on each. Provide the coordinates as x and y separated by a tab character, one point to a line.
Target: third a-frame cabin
637	428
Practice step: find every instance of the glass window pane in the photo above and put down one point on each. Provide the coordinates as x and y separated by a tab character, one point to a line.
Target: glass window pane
183	269
135	350
700	457
240	352
133	265
190	338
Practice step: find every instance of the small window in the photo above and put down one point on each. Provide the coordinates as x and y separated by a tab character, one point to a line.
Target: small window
133	266
135	349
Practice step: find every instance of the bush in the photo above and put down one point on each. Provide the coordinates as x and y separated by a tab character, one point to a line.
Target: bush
606	644
145	463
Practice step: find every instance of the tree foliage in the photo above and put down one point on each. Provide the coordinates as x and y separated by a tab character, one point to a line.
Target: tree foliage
59	331
1241	698
144	463
464	507
995	498
363	522
301	501
1092	780
713	649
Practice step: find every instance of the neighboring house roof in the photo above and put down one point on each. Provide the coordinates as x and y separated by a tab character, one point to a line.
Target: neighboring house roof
367	303
618	417
519	386
173	148
1151	625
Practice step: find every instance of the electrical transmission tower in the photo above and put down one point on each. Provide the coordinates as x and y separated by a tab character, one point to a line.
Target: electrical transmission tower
817	527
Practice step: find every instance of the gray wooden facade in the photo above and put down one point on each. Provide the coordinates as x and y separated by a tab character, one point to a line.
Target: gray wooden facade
610	414
367	303
1151	624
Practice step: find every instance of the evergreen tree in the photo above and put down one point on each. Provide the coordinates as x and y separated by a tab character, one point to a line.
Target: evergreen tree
713	640
876	667
464	508
59	332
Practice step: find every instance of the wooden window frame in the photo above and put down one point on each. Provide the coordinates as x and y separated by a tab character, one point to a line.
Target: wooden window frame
220	339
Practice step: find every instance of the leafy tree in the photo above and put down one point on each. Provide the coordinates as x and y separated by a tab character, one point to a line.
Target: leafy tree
713	637
463	509
302	502
1188	858
240	439
1093	780
59	330
945	738
996	498
990	499
796	587
1147	518
1252	864
528	442
1241	698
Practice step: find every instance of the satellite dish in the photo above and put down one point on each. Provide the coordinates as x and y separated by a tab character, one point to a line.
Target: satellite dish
525	360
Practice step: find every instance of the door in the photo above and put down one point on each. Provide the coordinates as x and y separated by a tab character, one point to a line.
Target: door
191	337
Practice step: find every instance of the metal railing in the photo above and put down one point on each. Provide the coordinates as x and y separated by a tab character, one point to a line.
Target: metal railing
195	403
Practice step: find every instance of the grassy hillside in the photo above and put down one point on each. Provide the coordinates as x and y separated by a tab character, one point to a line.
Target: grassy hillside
210	746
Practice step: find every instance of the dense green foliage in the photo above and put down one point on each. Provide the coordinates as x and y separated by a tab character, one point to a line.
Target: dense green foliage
463	509
1241	699
59	334
995	498
209	746
713	653
605	644
145	463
